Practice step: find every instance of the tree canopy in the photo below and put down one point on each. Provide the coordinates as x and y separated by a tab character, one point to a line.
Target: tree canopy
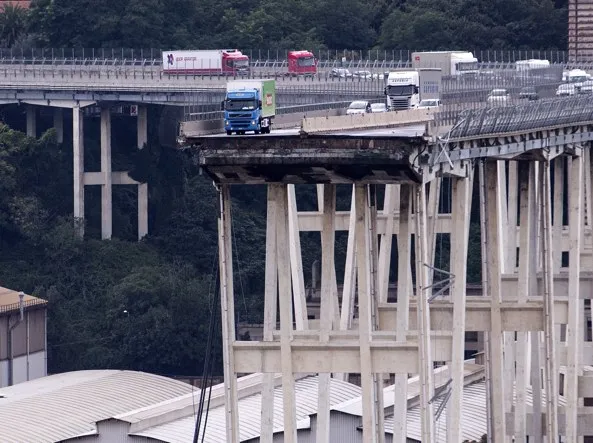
289	24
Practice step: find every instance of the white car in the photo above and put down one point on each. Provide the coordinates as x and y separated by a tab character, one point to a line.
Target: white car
378	107
498	96
566	90
358	107
586	87
429	103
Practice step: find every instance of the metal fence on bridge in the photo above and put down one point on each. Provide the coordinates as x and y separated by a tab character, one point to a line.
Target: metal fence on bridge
270	58
546	113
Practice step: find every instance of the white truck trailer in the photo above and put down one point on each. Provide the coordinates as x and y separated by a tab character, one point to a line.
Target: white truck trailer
451	63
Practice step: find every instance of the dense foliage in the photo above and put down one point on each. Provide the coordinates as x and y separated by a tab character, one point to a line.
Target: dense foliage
124	304
290	24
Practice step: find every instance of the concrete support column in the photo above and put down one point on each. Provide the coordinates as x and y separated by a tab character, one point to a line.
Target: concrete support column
296	263
373	264
527	250
550	367
142	128
59	124
348	291
404	292
270	308
369	423
391	202
557	210
286	329
106	189
31	121
78	168
347	310
326	307
575	304
227	305
426	372
461	210
492	239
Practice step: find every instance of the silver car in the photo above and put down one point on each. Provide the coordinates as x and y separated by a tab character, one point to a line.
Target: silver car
378	107
498	97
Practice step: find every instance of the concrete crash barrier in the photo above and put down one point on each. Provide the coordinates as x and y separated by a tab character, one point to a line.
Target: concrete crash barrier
361	121
283	121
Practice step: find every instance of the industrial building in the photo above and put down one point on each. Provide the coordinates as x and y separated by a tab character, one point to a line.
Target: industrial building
128	406
580	30
23	342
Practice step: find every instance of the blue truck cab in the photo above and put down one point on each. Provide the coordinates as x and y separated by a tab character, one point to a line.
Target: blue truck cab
249	105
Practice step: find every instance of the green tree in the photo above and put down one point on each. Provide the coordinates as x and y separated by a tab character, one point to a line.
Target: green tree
13	24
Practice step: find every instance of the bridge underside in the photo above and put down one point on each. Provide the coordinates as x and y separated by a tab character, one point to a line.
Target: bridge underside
311	159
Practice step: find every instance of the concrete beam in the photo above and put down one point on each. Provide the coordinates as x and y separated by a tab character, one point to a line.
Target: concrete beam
514	316
117	178
386	357
54	103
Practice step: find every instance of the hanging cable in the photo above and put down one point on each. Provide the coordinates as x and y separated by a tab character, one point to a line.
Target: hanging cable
207	371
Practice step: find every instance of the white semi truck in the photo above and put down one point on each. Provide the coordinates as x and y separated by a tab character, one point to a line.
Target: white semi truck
402	90
451	63
405	89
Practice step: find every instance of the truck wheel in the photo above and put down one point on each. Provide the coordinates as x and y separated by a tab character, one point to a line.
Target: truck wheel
229	132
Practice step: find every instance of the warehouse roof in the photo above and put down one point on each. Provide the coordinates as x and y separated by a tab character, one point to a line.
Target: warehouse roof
63	406
306	388
9	300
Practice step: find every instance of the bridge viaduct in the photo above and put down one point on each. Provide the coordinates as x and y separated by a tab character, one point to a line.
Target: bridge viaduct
76	88
531	168
532	165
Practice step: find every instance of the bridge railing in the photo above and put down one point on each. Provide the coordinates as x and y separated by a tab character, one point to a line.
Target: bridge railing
547	113
328	58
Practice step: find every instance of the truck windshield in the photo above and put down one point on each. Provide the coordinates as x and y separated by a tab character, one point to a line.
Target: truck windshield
467	66
306	61
240	105
401	90
239	63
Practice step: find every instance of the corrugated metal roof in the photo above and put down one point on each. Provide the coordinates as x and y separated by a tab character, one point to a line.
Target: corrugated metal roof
250	413
473	416
9	300
441	377
63	406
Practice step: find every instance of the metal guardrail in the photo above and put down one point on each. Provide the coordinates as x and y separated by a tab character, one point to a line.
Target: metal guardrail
218	115
152	56
547	113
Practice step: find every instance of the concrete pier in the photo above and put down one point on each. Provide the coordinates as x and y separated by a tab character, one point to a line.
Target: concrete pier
78	168
31	121
106	191
59	124
142	131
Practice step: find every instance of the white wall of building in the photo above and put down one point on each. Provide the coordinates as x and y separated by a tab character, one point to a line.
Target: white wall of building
25	368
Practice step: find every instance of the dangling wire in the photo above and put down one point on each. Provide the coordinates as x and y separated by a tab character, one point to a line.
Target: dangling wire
208	361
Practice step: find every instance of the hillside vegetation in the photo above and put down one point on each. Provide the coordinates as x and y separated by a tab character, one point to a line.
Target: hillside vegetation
124	304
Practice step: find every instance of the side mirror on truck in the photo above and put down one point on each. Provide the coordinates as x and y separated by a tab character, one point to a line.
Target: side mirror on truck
259	104
222	105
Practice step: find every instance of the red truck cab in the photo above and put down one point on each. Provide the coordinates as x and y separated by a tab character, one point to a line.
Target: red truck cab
234	62
301	63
